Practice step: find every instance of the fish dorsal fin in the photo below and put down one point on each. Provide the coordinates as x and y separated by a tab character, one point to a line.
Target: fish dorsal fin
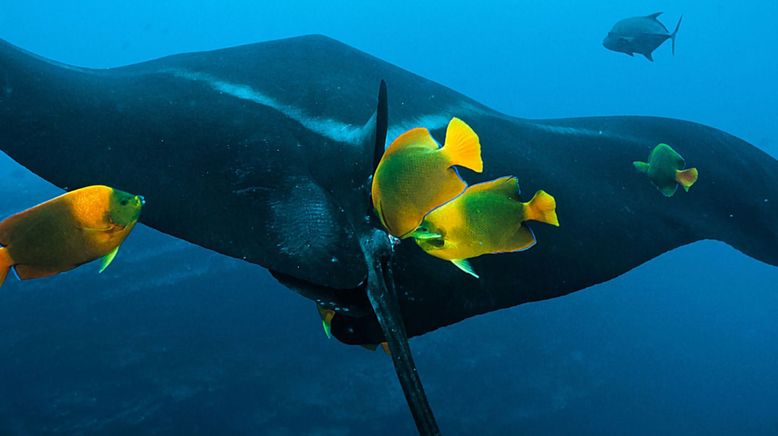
419	136
465	266
660	148
655	15
508	185
679	161
107	259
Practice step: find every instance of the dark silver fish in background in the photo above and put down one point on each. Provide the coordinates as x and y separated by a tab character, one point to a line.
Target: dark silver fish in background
640	35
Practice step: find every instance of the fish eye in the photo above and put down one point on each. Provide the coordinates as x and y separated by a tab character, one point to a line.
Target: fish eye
124	202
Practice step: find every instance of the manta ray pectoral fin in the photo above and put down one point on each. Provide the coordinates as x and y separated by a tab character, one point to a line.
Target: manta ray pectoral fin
383	298
465	266
107	259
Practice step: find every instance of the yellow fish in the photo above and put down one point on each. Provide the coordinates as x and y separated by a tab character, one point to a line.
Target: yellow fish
415	176
487	218
67	231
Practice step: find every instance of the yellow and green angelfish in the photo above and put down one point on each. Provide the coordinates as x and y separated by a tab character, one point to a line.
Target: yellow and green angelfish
665	170
415	175
65	232
487	218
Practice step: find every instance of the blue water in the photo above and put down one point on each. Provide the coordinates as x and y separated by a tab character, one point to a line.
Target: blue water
176	339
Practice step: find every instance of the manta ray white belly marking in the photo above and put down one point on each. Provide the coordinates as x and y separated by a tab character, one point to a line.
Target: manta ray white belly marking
327	127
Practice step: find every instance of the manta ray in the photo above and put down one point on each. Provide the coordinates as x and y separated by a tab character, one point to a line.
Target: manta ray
265	152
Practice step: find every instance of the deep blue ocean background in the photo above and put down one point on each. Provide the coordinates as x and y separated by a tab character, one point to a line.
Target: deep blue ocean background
175	339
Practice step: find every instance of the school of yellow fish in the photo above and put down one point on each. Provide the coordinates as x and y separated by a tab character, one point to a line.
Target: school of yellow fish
417	193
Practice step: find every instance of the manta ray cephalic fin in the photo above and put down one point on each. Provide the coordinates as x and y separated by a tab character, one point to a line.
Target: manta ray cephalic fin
383	297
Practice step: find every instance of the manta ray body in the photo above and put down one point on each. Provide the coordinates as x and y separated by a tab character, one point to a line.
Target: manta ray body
264	152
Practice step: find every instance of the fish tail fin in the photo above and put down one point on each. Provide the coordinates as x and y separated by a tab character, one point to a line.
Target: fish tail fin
686	178
675	32
385	347
462	146
5	264
642	167
326	320
541	208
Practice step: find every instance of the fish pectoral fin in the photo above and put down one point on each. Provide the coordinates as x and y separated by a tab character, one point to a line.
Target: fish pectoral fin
649	56
424	235
107	259
97	229
465	266
641	167
26	272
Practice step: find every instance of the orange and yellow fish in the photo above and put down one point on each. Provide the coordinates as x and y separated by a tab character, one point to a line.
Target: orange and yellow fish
487	218
415	175
65	232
